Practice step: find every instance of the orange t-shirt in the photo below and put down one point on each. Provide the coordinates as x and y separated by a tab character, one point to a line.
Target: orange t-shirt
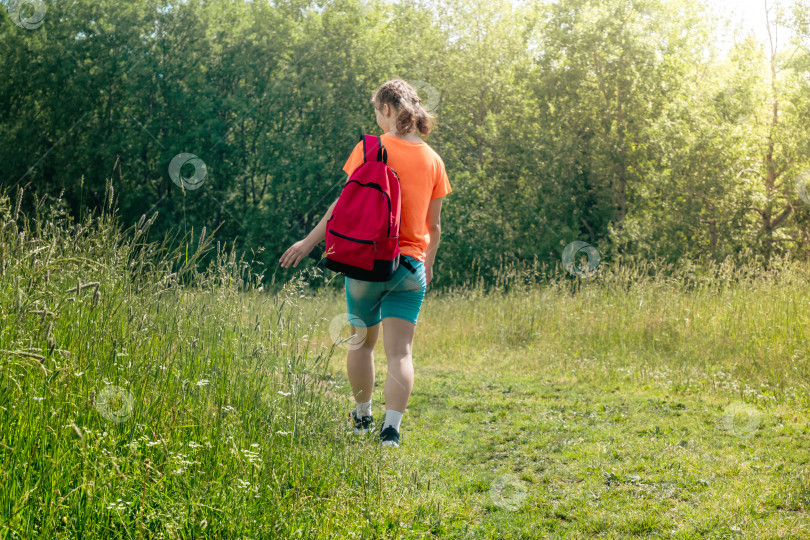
422	177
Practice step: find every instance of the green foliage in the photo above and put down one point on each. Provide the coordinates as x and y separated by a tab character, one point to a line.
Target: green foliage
615	122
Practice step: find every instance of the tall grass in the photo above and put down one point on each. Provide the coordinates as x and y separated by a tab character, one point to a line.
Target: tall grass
141	398
699	325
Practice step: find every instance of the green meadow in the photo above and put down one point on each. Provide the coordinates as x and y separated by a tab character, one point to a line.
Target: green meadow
141	397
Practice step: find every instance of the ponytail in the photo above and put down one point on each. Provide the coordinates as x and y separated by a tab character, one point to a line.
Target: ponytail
411	115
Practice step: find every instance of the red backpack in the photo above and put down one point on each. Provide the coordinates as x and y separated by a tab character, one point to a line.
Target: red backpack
362	236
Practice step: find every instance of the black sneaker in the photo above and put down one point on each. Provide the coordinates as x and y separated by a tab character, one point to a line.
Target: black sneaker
360	426
389	437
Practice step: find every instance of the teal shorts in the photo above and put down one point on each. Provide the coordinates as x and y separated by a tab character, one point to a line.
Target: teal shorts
401	296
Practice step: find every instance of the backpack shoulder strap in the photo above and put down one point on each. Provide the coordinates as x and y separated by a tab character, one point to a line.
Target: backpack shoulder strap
373	149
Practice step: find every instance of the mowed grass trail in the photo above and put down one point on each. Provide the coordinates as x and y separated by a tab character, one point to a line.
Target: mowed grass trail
631	408
143	397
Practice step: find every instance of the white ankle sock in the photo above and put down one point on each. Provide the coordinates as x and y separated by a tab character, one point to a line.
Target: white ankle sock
392	418
363	409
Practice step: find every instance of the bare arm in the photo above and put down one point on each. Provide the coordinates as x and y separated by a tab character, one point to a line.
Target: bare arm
435	231
301	249
318	234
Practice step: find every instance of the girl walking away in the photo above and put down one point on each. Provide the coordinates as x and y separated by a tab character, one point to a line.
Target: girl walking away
394	303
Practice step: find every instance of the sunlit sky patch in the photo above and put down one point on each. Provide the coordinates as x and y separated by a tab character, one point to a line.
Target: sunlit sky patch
750	15
744	16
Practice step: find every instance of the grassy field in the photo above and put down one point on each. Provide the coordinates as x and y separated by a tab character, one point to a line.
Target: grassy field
140	398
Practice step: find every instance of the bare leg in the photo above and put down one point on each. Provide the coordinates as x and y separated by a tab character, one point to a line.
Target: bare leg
360	364
398	340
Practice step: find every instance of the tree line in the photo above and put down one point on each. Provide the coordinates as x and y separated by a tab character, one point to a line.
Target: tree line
620	123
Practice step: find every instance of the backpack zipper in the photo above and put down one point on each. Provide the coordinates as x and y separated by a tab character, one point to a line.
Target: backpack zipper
355	239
